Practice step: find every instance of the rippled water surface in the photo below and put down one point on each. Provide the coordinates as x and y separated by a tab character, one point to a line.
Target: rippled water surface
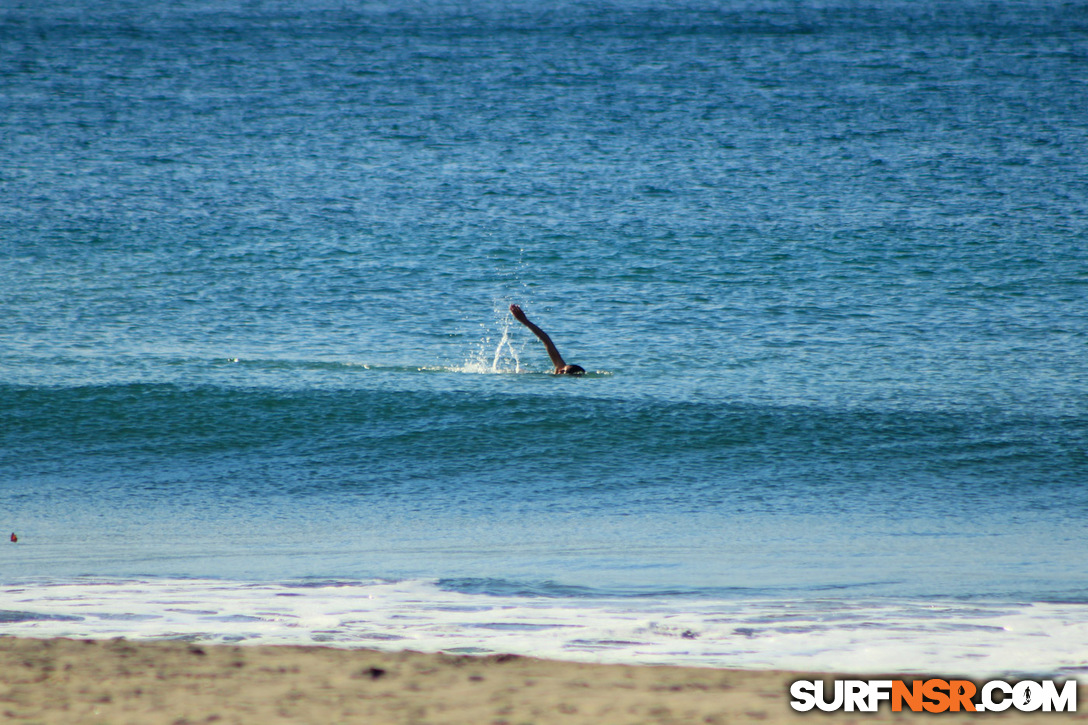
825	262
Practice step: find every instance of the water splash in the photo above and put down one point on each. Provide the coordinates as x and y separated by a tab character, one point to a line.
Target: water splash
511	353
503	357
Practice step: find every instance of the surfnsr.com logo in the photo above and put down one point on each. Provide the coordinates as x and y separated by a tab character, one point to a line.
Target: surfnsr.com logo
935	695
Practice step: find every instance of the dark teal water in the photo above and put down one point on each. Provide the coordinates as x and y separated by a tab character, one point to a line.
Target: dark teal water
827	263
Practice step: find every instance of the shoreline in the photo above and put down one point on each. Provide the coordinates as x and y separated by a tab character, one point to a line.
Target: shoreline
979	640
62	680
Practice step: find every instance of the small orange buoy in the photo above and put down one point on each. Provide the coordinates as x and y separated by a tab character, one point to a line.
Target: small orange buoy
14	538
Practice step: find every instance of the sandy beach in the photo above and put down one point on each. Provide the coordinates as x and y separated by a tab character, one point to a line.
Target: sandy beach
124	681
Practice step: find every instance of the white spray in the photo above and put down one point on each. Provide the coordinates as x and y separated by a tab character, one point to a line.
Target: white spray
505	340
503	358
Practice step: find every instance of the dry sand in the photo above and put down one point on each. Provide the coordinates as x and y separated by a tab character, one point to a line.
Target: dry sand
123	681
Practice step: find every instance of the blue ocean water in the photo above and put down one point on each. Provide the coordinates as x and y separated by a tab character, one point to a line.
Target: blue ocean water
826	262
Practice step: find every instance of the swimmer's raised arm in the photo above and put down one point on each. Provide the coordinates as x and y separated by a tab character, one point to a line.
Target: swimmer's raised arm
553	353
561	367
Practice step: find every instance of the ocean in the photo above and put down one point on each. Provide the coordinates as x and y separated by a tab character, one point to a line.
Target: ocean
825	262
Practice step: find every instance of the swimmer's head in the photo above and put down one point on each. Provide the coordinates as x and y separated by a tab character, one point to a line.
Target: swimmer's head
571	370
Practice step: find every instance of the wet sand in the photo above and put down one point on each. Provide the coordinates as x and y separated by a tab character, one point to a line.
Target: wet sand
126	681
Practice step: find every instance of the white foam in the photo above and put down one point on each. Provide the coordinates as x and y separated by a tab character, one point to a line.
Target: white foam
884	636
492	358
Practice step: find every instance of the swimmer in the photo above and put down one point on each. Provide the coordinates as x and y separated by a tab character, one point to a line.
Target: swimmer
561	368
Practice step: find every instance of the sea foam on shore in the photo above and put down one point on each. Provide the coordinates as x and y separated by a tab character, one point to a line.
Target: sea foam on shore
905	635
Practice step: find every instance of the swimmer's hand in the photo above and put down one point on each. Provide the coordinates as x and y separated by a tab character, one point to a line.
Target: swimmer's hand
518	314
